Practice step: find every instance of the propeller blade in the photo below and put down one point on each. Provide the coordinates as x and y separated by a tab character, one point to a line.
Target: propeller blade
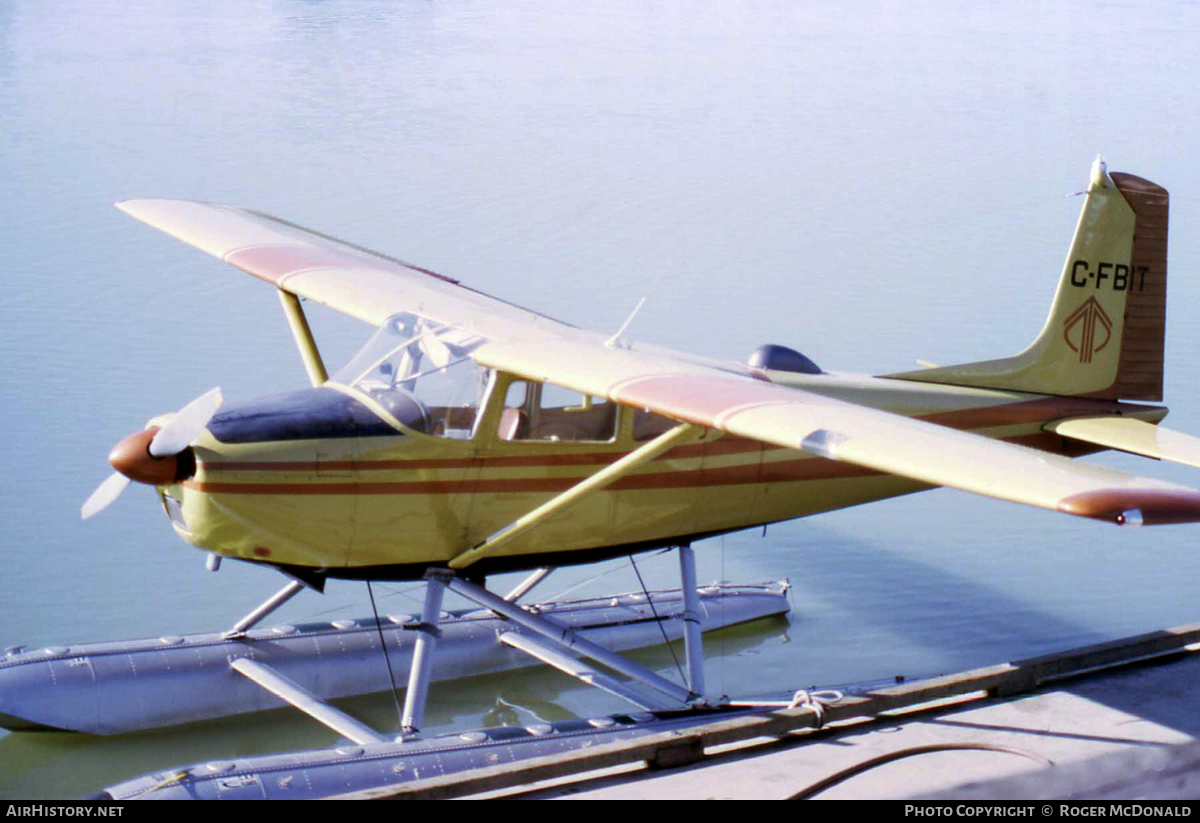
186	426
105	494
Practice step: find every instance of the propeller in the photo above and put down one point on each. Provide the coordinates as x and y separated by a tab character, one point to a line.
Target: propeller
185	426
149	456
105	494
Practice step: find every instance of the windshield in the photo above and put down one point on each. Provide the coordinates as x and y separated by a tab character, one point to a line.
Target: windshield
421	373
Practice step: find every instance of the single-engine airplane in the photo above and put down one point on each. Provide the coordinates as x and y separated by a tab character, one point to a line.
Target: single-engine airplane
470	436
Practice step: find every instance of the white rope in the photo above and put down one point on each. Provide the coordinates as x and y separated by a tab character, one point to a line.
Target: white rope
815	701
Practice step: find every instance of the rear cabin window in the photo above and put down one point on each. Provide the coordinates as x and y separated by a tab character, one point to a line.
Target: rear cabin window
544	412
647	425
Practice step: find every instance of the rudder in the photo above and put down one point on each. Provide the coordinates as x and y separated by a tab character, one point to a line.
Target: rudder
1105	333
1140	369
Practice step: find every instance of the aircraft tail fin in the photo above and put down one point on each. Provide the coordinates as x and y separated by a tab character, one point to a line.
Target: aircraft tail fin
1104	335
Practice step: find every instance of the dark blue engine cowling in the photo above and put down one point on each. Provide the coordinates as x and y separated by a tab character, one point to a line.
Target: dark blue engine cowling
781	358
310	414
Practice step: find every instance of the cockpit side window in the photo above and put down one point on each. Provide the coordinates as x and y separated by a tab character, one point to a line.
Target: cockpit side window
416	363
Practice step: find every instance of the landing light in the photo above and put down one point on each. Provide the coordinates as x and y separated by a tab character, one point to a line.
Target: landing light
1132	517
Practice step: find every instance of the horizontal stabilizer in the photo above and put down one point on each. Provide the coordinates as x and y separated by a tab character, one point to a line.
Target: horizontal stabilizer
1128	434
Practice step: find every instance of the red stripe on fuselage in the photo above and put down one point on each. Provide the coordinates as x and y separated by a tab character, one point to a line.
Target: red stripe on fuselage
782	471
809	468
726	445
1040	410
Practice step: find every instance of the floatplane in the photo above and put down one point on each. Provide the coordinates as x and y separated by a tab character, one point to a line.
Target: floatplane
471	437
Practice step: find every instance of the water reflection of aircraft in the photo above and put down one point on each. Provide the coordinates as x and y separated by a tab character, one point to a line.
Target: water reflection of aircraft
471	437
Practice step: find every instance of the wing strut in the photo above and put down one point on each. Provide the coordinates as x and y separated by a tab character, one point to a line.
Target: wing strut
574	494
313	363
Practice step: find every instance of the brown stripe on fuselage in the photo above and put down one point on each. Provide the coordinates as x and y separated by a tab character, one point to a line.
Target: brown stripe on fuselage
793	470
781	471
807	468
524	461
729	444
1039	410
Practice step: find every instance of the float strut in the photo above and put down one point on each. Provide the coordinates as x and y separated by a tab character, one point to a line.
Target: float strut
269	605
563	637
528	583
422	663
693	642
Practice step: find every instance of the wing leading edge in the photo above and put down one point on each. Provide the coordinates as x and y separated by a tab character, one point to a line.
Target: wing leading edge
847	432
356	281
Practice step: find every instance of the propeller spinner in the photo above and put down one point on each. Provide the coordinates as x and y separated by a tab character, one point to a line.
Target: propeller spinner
152	456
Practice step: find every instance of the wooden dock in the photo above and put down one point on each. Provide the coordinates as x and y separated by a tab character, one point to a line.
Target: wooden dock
692	746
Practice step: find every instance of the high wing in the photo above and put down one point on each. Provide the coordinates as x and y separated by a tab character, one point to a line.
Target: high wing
373	287
355	281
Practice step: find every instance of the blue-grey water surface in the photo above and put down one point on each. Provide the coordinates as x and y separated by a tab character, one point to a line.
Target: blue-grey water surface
870	182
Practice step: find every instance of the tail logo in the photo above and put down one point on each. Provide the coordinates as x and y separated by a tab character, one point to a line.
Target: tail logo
1080	330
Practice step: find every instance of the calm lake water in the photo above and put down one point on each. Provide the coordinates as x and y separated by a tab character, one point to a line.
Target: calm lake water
870	183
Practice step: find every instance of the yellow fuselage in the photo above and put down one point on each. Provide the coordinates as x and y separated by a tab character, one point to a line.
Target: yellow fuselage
397	504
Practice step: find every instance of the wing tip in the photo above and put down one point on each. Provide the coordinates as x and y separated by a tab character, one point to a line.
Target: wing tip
135	205
1152	507
140	207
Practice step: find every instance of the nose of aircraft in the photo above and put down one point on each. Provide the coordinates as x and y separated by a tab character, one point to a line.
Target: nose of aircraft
132	458
157	456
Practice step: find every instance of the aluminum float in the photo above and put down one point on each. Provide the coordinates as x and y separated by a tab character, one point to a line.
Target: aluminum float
131	685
